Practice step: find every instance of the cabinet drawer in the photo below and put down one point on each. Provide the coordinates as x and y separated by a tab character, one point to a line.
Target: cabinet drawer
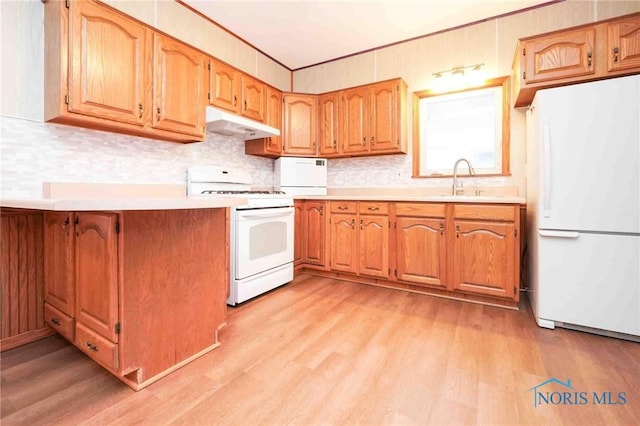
420	209
97	347
61	322
486	212
373	207
344	207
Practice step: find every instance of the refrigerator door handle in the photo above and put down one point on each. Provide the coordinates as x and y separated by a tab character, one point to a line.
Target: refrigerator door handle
546	164
558	234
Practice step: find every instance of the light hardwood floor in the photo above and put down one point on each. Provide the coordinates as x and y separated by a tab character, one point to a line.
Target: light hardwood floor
322	351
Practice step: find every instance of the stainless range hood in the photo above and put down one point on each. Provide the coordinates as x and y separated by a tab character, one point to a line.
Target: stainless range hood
228	124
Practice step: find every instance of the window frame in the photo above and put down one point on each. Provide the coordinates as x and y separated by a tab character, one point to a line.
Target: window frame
506	125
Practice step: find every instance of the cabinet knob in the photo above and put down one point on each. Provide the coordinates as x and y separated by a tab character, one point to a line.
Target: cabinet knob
616	52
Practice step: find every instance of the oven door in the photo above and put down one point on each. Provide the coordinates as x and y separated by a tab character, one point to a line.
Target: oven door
264	240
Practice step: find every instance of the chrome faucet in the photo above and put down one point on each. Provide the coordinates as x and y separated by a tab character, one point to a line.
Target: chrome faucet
455	189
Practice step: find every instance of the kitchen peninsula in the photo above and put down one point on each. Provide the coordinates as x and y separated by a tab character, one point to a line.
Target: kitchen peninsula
139	284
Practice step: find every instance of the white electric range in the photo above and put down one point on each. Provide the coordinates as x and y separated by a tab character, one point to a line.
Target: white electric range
261	231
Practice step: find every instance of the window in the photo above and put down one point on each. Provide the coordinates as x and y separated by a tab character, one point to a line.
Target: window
471	124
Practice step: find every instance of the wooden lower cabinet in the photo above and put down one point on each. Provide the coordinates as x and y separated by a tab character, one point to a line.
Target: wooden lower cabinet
21	272
421	255
141	311
465	251
344	242
313	251
484	258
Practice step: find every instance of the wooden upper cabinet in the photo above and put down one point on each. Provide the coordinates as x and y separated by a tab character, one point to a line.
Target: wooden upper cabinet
560	55
59	260
623	44
589	52
96	264
178	83
253	98
329	118
109	65
355	120
383	116
273	144
224	86
300	127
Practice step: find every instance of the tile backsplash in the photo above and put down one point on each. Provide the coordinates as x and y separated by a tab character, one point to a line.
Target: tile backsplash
34	152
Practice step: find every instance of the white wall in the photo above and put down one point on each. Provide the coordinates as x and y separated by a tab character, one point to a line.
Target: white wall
492	42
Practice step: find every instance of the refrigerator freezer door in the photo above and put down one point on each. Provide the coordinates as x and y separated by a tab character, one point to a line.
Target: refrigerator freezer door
588	146
591	280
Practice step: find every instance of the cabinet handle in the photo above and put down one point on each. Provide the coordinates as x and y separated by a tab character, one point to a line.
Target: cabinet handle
589	59
343	207
235	100
245	104
373	141
374	208
158	113
140	108
364	140
334	143
55	321
353	223
442	229
321	211
65	224
92	347
457	231
616	51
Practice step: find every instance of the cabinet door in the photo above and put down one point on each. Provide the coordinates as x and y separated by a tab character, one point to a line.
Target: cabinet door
300	125
224	86
298	232
374	246
178	102
314	248
485	258
253	98
97	272
328	132
344	243
421	253
564	55
354	117
109	65
383	116
623	44
273	144
59	257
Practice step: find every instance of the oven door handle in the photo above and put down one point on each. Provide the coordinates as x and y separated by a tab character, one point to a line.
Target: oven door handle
265	213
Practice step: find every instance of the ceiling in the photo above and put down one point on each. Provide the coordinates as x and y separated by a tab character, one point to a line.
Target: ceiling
301	33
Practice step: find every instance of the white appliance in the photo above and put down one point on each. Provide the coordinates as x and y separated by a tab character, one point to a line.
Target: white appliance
228	124
300	176
261	231
583	201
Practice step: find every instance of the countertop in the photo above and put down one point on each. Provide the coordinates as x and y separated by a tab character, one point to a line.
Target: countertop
418	198
63	196
117	204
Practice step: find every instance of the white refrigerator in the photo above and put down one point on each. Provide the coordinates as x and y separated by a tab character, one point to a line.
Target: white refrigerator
583	206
